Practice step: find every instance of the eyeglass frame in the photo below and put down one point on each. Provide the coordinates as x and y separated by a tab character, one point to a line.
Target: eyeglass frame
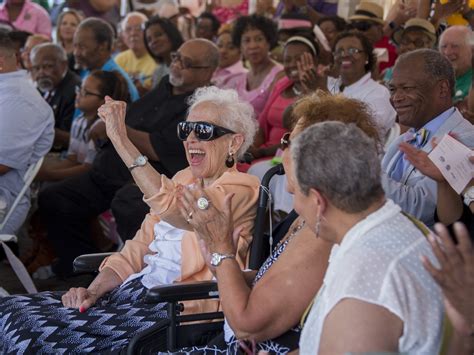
83	92
217	131
350	52
176	56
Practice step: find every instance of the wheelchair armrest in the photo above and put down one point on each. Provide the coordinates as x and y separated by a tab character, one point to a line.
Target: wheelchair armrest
186	291
89	263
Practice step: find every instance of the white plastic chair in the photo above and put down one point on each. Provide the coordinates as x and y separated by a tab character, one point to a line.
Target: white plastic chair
15	263
27	179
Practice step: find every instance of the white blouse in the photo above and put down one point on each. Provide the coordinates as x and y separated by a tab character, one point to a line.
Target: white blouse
378	262
374	95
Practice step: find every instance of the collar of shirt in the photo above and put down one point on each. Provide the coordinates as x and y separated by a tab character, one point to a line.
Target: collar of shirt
433	125
334	85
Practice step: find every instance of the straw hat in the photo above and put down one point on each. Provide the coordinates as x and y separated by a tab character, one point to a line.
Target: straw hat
368	11
415	24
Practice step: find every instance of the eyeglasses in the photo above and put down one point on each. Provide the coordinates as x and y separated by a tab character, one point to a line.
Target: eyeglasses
83	92
185	64
204	131
285	141
361	26
418	43
350	52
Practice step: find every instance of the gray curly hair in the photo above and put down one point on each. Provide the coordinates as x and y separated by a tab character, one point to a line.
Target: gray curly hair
233	113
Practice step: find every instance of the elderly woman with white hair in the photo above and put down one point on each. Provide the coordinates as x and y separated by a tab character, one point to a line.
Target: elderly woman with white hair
218	130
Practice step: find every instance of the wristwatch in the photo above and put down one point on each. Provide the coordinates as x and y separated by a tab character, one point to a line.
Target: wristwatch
217	258
141	160
469	196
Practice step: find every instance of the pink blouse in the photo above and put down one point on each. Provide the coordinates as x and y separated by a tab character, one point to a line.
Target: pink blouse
271	119
258	96
32	18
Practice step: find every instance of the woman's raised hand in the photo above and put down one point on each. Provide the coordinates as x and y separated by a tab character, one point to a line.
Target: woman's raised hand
113	114
308	74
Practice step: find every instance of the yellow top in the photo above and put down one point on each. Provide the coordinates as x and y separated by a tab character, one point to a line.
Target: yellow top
137	68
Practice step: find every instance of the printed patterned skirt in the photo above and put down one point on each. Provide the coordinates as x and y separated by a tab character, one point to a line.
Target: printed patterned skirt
39	324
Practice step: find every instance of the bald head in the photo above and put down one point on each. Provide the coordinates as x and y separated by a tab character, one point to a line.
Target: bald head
454	45
194	65
206	50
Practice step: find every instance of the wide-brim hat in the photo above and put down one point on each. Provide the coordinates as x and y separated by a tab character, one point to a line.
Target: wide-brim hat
415	24
368	11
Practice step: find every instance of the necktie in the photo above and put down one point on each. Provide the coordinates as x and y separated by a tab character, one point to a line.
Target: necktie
418	139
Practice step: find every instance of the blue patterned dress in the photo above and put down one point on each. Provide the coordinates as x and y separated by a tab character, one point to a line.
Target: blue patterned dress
40	324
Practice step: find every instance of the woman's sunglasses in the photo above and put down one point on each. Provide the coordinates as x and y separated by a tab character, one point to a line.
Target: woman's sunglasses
285	141
204	131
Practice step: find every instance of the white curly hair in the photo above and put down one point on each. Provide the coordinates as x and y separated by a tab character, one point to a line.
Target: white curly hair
233	113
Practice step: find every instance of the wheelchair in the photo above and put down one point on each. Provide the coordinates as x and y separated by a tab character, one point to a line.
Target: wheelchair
177	330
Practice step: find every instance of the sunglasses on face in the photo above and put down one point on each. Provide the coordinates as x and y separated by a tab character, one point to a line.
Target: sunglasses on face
204	131
361	26
285	141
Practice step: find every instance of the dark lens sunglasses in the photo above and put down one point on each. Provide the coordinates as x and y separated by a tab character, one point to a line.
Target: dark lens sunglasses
204	131
361	26
285	141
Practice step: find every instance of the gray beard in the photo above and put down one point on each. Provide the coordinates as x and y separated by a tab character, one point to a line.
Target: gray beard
177	82
45	85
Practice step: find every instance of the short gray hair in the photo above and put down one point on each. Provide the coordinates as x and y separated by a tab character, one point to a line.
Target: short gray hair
212	55
57	50
462	30
436	65
234	113
340	161
131	14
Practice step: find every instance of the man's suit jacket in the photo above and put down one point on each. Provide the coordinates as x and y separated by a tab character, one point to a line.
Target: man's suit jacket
63	100
417	193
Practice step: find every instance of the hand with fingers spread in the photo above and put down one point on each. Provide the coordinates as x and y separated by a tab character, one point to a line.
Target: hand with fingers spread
420	160
113	114
213	226
455	275
308	75
79	297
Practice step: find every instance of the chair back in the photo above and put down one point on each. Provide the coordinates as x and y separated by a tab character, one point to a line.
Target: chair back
27	179
260	244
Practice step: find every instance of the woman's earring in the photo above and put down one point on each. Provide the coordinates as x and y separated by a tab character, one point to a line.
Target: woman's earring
229	162
317	228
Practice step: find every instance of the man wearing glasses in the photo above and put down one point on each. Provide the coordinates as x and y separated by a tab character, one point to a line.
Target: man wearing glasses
151	125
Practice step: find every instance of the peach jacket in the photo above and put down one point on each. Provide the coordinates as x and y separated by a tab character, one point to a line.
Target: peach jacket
164	207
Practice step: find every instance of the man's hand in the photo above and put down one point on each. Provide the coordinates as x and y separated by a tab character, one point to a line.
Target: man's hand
420	160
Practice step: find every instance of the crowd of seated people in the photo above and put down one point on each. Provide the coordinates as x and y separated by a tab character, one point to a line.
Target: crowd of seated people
159	119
